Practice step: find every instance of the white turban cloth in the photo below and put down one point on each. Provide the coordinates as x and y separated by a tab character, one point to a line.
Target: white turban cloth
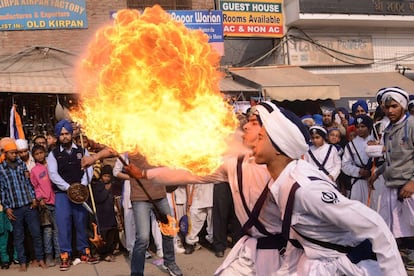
22	144
397	94
283	132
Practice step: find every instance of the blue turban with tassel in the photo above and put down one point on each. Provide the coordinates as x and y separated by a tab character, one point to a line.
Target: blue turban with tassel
63	124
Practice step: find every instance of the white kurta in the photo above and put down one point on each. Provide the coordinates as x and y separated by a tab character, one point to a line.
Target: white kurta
322	213
244	258
333	163
351	165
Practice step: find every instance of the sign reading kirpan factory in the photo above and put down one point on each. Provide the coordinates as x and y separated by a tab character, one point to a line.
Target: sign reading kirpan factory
254	18
42	14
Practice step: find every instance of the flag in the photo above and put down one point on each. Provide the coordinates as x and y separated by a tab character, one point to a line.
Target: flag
16	126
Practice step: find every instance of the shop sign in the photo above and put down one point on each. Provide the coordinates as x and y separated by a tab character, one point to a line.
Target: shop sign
18	15
332	50
254	18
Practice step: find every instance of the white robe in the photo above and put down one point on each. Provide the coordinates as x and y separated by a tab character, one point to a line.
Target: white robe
351	165
322	213
333	163
244	258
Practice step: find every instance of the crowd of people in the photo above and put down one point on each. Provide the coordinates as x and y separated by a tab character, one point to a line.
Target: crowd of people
325	194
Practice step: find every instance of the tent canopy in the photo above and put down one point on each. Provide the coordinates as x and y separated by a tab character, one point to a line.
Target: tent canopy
287	83
38	70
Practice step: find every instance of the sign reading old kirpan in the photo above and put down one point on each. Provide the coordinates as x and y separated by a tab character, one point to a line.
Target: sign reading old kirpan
42	14
254	18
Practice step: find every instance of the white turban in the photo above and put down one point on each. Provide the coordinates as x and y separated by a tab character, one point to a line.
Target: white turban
397	94
285	129
22	144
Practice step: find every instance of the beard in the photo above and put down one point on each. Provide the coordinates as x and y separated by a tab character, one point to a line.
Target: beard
67	145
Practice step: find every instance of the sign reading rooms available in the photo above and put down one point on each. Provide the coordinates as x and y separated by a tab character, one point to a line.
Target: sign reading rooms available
254	18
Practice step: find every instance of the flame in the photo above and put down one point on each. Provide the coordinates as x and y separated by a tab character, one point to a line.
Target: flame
150	85
170	228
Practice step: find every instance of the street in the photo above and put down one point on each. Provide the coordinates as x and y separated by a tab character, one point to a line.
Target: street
200	263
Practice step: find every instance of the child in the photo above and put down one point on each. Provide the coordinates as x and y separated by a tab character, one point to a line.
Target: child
107	224
5	228
323	155
356	162
39	177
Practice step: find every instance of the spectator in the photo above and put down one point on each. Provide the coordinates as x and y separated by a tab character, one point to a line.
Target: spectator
19	201
24	153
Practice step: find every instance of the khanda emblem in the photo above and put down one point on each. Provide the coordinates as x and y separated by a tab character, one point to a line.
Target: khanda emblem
314	131
359	121
330	197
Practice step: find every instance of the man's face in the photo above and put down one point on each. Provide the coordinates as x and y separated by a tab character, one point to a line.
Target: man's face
394	110
327	119
251	130
23	154
65	137
41	141
51	140
263	150
11	155
359	111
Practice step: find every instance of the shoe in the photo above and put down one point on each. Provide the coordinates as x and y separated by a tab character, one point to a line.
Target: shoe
50	261
147	255
189	249
5	265
219	254
88	258
64	261
173	269
179	249
160	253
409	265
109	258
197	246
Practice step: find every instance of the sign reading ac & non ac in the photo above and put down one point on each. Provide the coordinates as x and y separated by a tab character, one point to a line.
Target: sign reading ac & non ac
257	18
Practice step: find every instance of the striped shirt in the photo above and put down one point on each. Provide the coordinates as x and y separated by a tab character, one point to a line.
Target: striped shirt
15	187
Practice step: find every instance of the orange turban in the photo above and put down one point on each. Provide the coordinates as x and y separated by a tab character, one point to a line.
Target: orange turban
10	145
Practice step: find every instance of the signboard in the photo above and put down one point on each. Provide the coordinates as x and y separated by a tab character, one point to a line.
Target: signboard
210	22
305	53
254	18
380	7
42	14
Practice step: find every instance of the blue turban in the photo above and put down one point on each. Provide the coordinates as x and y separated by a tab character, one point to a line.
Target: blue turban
63	124
361	103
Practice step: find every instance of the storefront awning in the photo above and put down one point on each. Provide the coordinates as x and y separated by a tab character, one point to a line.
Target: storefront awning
38	70
287	83
365	86
229	85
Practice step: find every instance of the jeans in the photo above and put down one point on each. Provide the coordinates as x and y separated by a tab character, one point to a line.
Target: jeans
30	217
50	234
142	210
67	213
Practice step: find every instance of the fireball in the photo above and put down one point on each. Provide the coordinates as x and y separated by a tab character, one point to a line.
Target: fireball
148	84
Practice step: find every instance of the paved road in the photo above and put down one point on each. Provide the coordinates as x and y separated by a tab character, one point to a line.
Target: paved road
200	263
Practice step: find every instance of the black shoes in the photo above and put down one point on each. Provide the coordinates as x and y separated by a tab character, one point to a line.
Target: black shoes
189	249
5	265
219	254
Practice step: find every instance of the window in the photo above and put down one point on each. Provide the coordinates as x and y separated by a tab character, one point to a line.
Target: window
165	4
